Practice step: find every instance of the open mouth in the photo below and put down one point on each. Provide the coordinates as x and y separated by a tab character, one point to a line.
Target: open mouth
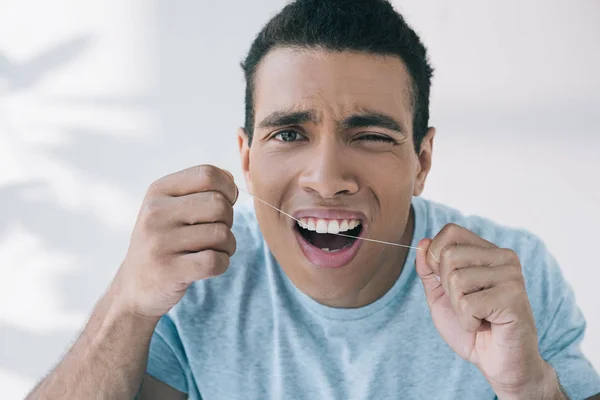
322	234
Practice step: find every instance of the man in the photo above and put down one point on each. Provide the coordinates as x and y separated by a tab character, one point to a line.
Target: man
337	137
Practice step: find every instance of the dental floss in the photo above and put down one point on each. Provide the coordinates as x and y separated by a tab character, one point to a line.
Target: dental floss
341	234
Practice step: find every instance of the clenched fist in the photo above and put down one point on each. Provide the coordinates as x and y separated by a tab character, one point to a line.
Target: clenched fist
182	234
479	305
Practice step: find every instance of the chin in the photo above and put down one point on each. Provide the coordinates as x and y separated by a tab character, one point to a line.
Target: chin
336	287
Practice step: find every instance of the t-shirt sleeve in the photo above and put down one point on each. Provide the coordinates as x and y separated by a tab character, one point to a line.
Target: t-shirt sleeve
167	361
560	323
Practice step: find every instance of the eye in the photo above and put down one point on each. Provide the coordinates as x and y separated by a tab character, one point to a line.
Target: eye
288	136
377	138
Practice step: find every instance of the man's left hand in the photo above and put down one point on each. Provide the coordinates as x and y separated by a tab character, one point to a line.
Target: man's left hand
477	298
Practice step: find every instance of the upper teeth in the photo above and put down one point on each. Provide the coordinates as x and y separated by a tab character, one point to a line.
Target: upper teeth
328	225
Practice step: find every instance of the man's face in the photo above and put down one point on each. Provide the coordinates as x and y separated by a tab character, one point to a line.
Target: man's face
333	147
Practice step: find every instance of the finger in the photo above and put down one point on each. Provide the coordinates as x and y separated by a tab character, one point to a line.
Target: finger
197	179
431	285
494	305
465	281
194	238
201	265
454	257
237	190
452	234
205	207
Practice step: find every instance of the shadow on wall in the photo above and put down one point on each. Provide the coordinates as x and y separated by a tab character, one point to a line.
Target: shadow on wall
24	75
56	226
87	158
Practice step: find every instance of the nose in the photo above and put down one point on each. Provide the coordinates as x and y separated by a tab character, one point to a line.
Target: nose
328	173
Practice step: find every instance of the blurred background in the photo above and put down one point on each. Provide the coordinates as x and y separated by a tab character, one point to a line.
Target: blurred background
100	98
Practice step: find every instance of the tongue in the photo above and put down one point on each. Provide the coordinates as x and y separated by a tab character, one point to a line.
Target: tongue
328	241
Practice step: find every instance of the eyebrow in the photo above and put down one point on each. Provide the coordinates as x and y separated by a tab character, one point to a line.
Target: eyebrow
362	120
281	118
368	119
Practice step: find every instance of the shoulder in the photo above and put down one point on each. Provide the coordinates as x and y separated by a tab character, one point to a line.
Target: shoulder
439	215
542	274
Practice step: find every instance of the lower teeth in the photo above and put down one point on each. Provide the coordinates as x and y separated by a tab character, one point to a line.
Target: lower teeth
329	251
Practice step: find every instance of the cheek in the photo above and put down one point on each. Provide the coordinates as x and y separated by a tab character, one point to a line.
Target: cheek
272	173
392	181
272	181
390	174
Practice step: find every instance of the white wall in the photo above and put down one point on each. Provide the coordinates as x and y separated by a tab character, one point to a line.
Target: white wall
98	98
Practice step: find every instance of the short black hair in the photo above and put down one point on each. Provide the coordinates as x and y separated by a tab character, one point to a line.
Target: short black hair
369	26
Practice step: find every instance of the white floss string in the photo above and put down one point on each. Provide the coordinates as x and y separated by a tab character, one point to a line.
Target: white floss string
340	234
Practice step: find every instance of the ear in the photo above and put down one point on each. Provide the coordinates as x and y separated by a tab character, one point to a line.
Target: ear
244	148
424	158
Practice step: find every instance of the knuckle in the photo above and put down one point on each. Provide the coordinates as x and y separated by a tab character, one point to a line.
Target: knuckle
221	210
210	258
207	174
233	243
220	232
447	255
463	305
227	214
454	279
218	201
186	205
515	271
153	188
450	229
512	255
215	262
151	212
153	207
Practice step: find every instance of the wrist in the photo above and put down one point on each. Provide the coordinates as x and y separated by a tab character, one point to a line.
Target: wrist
118	310
123	302
544	386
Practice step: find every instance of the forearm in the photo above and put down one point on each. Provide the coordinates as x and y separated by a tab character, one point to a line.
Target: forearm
108	360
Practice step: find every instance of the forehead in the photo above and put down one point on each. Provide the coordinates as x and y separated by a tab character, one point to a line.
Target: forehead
332	83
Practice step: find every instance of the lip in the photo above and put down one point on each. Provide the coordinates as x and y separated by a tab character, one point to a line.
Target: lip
329	213
324	259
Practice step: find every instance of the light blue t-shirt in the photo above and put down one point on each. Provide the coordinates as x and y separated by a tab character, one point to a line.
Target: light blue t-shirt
251	334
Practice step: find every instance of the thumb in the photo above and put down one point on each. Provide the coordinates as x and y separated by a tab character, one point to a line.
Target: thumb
431	284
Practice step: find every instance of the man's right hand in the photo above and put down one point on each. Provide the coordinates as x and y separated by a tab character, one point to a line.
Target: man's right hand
182	234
